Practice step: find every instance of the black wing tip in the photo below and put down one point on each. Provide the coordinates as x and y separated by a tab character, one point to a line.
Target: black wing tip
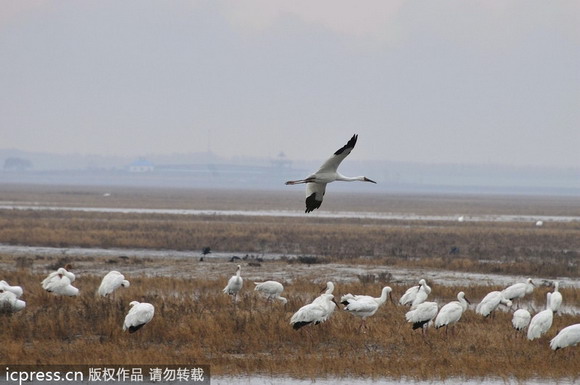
311	203
419	324
133	329
348	145
298	325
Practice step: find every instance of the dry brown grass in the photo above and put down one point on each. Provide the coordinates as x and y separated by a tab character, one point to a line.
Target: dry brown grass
506	248
196	323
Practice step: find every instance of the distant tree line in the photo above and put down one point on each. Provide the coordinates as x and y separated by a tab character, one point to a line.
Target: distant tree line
17	164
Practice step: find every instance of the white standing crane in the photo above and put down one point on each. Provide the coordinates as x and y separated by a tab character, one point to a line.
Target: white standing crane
422	315
521	319
60	284
410	294
235	284
556	298
490	302
541	322
139	314
111	282
272	289
364	306
327	173
314	313
54	277
451	313
323	299
518	290
9	302
422	294
569	336
17	290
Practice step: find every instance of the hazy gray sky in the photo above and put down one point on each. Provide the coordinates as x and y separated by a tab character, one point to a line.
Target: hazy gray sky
490	81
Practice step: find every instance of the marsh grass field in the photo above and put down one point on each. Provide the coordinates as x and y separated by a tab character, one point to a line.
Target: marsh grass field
196	323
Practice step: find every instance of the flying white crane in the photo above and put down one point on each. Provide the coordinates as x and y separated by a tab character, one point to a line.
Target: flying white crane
422	315
569	336
490	302
541	322
111	282
315	312
364	306
17	290
235	284
451	313
316	183
9	302
556	298
139	314
521	319
271	289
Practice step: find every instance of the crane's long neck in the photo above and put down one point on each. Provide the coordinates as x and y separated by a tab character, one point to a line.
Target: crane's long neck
463	303
329	288
383	298
343	178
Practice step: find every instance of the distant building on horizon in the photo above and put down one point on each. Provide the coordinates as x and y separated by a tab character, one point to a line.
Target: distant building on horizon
17	164
281	161
141	165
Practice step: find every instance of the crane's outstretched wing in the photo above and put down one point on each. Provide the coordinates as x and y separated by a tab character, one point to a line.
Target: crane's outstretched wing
314	195
334	161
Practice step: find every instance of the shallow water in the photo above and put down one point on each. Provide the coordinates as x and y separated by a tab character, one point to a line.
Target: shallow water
341	272
287	213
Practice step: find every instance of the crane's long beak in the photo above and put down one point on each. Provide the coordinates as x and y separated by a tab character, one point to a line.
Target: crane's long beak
369	180
466	300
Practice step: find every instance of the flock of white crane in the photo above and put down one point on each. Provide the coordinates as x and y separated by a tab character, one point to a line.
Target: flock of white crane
422	313
60	283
